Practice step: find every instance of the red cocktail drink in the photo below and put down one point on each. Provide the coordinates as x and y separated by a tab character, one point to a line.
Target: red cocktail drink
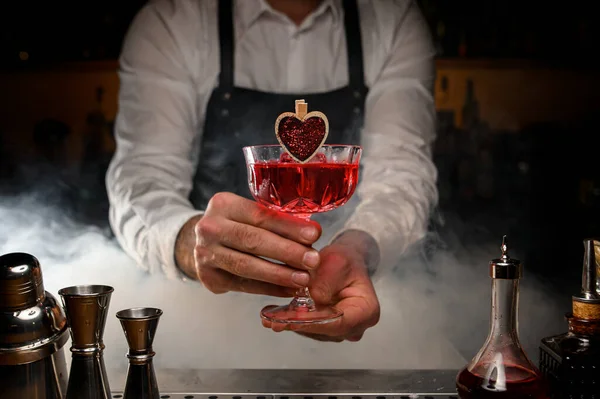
325	182
509	382
317	186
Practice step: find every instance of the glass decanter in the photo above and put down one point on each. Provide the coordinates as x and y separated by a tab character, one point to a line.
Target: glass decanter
501	368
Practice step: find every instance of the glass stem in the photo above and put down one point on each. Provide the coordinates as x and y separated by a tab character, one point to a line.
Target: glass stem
303	301
302	292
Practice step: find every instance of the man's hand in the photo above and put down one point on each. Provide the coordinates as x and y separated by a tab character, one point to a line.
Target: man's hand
342	280
223	248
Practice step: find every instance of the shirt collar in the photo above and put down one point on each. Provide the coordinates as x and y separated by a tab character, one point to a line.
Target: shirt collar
333	6
251	10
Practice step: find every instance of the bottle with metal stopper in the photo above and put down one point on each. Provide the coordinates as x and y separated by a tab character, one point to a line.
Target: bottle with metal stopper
86	307
139	326
501	368
571	361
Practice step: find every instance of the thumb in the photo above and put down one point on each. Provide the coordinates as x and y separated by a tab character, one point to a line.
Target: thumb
330	278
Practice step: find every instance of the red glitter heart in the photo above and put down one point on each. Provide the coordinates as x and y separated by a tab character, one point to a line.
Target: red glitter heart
302	138
301	134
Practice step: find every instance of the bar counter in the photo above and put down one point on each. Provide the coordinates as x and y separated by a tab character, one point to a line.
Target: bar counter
298	383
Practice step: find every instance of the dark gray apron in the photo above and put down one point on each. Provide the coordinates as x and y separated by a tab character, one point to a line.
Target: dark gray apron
237	117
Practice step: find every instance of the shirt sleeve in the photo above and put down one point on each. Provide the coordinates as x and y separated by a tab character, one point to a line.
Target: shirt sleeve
150	176
397	186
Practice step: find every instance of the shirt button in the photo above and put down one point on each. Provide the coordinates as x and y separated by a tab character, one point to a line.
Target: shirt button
224	112
356	110
226	96
356	94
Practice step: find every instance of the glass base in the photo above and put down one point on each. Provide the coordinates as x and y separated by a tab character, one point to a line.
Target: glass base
294	314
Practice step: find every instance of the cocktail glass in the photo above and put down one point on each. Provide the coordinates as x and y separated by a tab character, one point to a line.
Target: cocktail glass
322	184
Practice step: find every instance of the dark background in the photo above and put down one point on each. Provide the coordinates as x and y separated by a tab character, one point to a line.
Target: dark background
539	182
93	30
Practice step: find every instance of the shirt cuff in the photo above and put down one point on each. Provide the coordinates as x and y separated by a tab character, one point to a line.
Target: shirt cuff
162	237
391	242
366	243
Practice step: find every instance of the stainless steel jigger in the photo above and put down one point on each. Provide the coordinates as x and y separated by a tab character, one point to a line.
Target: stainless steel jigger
139	326
86	307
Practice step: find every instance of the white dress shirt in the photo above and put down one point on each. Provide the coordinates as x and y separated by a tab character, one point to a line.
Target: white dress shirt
170	65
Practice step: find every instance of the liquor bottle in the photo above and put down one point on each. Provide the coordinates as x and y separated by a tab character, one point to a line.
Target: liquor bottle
97	133
91	200
440	38
470	109
571	361
501	369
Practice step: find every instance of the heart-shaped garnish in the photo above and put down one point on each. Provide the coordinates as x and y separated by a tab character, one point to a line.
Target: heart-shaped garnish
301	134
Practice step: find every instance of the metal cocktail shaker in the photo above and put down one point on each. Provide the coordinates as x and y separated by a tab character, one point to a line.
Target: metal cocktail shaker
33	331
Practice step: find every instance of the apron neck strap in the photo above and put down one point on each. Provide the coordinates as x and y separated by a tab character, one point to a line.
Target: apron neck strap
356	79
226	43
356	74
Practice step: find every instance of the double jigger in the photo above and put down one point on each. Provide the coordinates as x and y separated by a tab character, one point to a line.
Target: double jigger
139	326
86	309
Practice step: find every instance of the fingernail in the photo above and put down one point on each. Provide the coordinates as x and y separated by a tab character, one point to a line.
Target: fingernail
311	258
300	278
308	233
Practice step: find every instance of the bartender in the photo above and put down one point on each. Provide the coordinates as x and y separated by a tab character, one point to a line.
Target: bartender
200	79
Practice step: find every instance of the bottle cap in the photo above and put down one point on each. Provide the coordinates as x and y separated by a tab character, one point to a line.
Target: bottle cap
33	325
591	264
21	284
505	267
586	305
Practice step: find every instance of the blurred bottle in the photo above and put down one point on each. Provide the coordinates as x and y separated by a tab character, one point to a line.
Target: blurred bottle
470	110
440	32
97	148
98	138
571	361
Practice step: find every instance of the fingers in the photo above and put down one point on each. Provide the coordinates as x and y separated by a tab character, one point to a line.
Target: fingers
341	279
323	338
331	278
235	234
245	266
359	315
278	327
219	282
259	242
246	211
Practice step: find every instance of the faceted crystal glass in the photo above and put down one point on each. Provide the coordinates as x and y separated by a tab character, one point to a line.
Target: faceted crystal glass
324	183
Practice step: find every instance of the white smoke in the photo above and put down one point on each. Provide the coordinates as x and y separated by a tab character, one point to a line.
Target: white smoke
430	311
